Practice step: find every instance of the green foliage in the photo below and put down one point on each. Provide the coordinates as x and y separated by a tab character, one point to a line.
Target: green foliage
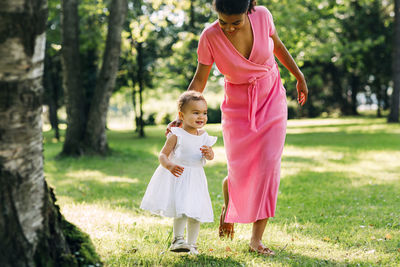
343	48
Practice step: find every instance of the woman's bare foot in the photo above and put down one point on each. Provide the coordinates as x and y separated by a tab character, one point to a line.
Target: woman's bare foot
258	246
225	229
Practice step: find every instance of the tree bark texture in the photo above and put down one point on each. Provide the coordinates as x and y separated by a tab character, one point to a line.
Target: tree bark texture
25	206
75	96
394	110
31	225
95	137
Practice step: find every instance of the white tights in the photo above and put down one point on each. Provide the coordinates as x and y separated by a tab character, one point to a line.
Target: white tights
193	228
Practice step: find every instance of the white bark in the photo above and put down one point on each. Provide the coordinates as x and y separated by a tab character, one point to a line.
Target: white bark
19	154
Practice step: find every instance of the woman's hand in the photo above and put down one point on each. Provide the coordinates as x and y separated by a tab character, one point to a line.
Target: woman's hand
176	170
302	91
207	152
175	123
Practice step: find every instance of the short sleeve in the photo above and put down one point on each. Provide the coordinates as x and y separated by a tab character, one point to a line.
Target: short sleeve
176	131
270	23
204	55
210	140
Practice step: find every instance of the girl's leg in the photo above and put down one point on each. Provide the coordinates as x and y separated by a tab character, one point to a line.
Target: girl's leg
179	226
193	228
178	243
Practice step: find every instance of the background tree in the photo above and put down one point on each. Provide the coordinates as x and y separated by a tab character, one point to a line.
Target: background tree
394	110
86	125
32	230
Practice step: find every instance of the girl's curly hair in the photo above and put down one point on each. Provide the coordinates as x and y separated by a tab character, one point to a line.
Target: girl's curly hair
188	96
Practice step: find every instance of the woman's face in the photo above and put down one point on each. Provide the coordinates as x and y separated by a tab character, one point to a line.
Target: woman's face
230	24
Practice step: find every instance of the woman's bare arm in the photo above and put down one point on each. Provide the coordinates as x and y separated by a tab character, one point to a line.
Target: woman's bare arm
200	78
286	59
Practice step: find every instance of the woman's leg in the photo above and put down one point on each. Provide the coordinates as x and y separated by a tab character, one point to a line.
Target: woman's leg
225	192
225	229
258	231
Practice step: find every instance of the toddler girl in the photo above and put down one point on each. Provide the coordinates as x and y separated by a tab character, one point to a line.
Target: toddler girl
178	187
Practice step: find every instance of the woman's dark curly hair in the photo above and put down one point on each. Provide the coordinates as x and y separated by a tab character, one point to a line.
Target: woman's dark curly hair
233	7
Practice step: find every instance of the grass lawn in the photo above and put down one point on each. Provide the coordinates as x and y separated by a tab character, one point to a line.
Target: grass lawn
338	203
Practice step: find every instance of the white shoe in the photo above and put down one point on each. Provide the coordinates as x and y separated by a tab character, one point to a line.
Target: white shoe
193	250
179	245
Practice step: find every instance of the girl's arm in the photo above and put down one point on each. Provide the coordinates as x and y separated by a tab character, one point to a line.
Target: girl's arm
200	78
286	59
207	152
169	146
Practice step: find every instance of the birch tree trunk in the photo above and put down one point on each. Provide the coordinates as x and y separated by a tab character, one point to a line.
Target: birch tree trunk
31	226
95	137
394	108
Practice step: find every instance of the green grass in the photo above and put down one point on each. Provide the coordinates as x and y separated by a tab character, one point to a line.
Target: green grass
338	203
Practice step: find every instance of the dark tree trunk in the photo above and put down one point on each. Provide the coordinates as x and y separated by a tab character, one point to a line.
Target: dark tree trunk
95	137
52	90
75	96
355	84
134	91
394	109
192	14
139	48
31	226
379	97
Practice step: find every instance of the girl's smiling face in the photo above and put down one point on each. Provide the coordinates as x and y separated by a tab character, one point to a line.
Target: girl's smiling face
194	114
230	24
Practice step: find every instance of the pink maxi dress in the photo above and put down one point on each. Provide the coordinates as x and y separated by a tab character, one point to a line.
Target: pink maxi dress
254	114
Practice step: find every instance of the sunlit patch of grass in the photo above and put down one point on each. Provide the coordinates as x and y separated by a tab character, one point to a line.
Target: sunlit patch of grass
338	203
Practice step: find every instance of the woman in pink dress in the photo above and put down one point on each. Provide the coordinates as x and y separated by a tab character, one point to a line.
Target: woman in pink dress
242	43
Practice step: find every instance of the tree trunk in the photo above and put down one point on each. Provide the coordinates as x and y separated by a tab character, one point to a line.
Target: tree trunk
139	48
95	137
394	109
75	96
52	91
31	226
355	85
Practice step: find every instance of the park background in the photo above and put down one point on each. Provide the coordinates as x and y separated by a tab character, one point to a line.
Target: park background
112	73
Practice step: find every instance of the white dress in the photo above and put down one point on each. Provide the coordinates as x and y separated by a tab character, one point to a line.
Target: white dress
187	194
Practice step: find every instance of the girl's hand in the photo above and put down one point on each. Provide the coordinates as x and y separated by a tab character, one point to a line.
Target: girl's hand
302	91
175	123
176	170
207	152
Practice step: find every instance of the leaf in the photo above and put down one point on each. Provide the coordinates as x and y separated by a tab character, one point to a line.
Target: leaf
327	238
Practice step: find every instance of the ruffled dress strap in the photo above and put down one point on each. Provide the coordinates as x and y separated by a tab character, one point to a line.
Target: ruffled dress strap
210	140
177	131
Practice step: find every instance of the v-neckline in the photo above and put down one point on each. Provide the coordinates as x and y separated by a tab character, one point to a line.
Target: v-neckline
233	47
